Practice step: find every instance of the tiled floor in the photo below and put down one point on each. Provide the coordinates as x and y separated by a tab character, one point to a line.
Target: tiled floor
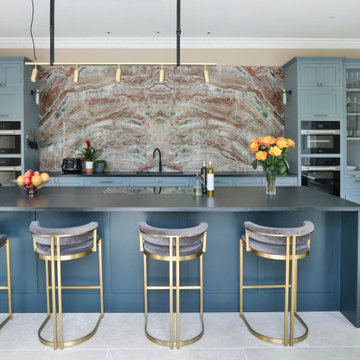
121	336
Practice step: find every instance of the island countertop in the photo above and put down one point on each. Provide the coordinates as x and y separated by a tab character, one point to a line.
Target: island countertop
170	199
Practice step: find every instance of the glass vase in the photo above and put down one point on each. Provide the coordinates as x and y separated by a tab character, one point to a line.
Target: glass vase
270	184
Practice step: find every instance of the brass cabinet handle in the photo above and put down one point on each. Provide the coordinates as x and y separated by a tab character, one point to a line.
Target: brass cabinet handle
318	84
322	84
321	115
4	115
106	181
357	180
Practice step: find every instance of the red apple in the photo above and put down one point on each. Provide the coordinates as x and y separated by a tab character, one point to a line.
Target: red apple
27	181
30	172
37	173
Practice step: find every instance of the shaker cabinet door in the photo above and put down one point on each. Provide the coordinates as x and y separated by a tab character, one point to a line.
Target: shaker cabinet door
10	106
320	75
11	76
320	105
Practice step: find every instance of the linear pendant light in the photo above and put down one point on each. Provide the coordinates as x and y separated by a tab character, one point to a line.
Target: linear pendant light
118	64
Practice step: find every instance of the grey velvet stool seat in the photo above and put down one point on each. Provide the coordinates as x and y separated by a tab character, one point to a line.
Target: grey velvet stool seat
4	242
288	245
58	245
174	246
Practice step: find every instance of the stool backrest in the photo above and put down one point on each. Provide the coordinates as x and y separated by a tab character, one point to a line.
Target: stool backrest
277	236
161	236
68	236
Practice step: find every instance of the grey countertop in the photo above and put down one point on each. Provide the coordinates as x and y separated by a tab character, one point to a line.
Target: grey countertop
170	199
164	173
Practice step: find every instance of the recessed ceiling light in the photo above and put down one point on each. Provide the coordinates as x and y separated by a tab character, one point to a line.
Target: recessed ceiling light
158	32
108	32
332	17
208	32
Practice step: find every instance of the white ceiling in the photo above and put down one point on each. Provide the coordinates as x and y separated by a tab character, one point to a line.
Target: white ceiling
156	19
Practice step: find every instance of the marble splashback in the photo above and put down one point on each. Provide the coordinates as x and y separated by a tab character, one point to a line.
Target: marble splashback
187	119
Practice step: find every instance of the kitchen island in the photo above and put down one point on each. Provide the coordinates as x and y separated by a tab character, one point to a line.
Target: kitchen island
328	278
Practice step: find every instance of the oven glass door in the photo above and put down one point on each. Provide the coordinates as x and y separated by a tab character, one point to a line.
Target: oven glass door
320	144
10	144
6	177
326	181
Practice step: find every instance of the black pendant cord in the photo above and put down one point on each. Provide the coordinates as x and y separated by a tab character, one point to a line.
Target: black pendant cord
31	28
52	31
178	33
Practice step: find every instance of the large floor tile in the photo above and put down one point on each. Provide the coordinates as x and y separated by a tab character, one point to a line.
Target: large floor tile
330	329
310	353
66	354
183	354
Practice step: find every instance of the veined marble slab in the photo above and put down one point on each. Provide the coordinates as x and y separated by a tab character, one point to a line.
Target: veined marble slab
187	119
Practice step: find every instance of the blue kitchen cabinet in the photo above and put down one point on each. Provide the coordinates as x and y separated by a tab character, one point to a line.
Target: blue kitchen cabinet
320	104
320	74
66	181
11	76
260	181
161	181
10	105
224	181
107	181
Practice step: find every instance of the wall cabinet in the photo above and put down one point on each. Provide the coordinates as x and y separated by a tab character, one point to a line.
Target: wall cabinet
17	104
320	74
10	76
321	104
10	105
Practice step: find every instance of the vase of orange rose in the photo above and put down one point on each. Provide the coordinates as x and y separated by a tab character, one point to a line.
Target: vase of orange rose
271	154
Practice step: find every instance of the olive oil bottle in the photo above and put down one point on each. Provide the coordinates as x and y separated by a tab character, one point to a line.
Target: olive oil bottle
210	183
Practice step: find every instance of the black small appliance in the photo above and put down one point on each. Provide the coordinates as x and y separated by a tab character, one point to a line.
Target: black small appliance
71	166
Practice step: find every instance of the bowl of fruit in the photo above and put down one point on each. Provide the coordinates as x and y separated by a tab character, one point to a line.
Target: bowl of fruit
31	181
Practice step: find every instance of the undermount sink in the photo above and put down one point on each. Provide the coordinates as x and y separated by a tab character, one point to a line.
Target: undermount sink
159	173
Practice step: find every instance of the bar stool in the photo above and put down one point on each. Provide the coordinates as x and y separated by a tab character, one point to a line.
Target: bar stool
58	245
4	241
174	246
286	244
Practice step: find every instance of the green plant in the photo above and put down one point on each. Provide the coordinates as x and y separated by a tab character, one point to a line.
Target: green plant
96	162
89	152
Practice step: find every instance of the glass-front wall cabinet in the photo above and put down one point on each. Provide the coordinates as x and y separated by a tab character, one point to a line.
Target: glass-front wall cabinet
352	75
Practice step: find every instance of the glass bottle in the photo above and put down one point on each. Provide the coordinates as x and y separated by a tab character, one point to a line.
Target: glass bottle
210	183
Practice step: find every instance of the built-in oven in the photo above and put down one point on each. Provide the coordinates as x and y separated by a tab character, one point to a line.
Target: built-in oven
10	137
320	137
321	174
10	169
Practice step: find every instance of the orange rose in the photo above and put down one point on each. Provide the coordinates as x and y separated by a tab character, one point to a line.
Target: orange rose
282	143
290	142
275	151
266	140
261	155
254	146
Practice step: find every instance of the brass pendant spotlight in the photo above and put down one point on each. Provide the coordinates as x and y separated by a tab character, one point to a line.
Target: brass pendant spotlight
161	74
206	75
34	74
76	74
118	74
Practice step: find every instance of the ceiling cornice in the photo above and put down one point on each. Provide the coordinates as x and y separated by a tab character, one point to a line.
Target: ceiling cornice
186	43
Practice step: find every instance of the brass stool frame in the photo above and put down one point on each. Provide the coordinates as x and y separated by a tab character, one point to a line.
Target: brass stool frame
55	267
6	243
171	259
293	258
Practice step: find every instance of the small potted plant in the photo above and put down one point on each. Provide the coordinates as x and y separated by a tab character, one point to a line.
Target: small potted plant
90	154
99	166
